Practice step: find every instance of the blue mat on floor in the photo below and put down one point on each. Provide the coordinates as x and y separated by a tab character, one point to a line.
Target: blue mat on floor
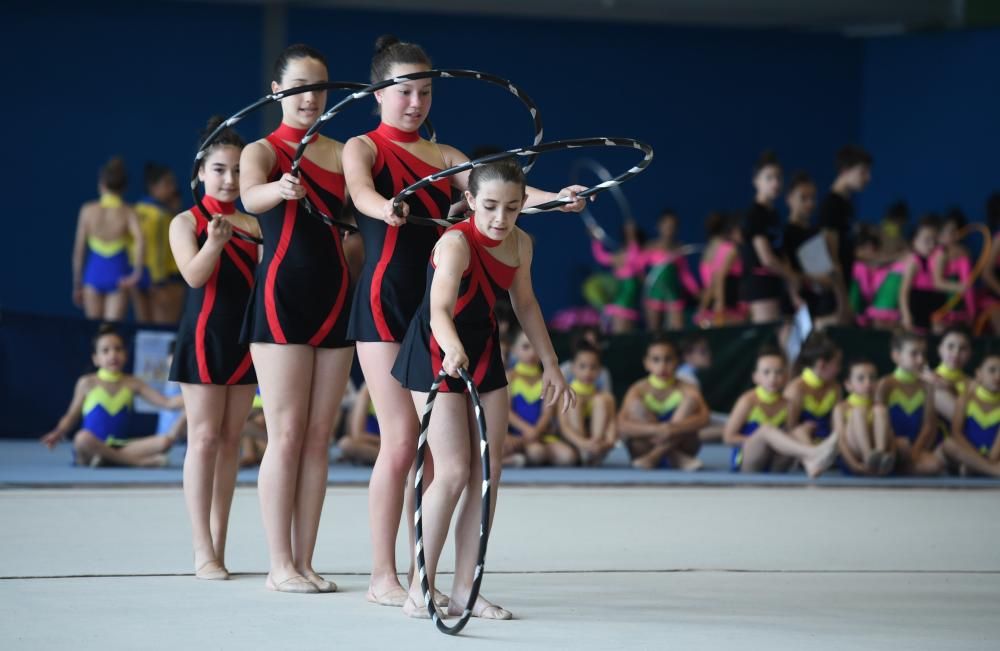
27	463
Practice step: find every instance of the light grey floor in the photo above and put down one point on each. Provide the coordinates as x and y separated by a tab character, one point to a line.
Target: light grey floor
581	568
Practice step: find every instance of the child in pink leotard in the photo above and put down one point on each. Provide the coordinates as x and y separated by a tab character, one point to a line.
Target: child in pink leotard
668	274
721	268
628	265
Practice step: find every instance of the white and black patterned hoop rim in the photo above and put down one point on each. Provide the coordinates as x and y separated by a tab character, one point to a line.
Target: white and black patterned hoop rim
541	148
484	528
260	103
589	221
529	103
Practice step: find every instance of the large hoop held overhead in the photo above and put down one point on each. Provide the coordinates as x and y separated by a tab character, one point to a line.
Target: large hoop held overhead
536	115
255	106
484	528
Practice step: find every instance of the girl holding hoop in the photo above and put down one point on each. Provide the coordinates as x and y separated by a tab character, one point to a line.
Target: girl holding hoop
214	370
296	322
454	328
377	165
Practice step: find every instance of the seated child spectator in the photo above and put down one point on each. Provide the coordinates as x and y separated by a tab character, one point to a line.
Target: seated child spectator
863	432
989	295
105	400
951	267
911	407
361	442
253	438
813	395
695	356
589	426
530	438
171	422
973	444
948	378
757	426
661	414
591	335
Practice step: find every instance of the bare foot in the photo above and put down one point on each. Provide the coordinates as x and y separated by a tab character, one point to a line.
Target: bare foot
154	461
482	609
516	460
824	455
413	607
686	462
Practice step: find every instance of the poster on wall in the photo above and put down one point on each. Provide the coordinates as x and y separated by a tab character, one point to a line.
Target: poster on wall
152	365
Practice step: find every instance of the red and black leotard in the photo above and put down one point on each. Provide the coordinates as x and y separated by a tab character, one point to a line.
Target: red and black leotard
391	283
419	359
302	293
208	350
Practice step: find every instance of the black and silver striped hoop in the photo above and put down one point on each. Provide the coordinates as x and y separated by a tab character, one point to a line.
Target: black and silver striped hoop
536	116
590	222
484	529
257	105
545	147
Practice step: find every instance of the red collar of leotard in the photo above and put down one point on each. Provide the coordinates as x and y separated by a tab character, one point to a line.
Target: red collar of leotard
216	207
291	134
481	238
398	135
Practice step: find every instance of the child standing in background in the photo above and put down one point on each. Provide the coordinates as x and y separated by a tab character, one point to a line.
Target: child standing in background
910	403
974	443
721	268
817	291
590	425
623	312
101	271
864	435
836	217
668	277
661	414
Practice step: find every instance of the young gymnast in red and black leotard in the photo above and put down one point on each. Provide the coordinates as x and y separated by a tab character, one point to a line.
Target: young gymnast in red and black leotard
296	323
455	328
377	166
213	368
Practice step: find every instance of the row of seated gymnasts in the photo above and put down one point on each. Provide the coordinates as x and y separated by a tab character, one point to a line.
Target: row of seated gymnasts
915	420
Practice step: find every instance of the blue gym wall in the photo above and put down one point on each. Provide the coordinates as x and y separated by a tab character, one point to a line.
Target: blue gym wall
141	79
930	111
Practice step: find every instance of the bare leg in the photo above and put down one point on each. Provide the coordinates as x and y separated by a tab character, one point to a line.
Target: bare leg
944	404
93	303
116	306
285	373
205	407
765	311
757	454
449	440
88	446
239	400
602	425
675	319
141	305
361	451
330	372
398	426
470	514
562	454
963	454
654	318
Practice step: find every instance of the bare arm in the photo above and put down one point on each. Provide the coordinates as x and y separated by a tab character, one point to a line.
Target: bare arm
794	395
79	252
358	158
906	317
451	259
697	420
628	427
928	429
529	315
737	419
135	230
72	415
153	396
940	282
257	194
840	424
882	390
958	419
197	265
570	432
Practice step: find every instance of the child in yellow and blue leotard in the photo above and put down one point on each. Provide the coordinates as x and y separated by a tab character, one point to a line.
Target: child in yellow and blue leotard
911	408
104	400
948	378
363	439
589	426
763	436
973	444
813	395
865	440
529	434
661	415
